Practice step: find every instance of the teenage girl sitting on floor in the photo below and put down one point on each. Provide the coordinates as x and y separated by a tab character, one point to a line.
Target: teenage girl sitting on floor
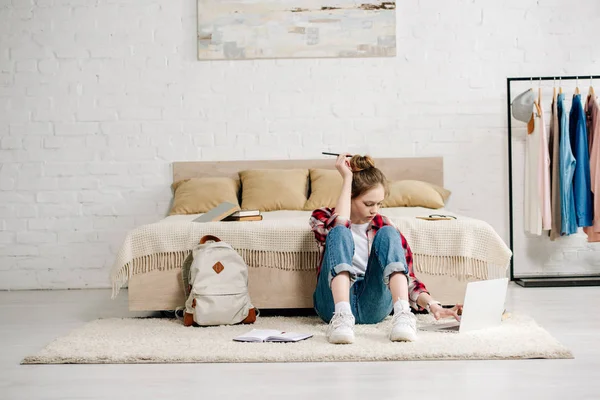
366	267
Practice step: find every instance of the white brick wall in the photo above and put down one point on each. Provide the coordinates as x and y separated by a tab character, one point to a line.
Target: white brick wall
98	97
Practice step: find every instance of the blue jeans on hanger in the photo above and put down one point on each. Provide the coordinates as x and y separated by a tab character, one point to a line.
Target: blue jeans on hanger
370	297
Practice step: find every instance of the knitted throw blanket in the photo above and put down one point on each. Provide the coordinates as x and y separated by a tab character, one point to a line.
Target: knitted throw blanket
460	248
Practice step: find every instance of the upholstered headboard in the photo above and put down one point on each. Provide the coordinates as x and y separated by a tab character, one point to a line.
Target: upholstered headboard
427	169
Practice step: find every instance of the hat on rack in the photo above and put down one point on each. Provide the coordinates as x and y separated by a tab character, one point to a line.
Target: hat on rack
522	105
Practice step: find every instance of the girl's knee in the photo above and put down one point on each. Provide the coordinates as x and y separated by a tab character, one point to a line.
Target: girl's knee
387	232
339	233
387	235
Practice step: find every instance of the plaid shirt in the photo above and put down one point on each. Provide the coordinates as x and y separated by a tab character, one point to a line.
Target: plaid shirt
323	220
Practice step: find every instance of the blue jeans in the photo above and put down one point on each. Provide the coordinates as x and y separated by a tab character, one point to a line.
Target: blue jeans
370	297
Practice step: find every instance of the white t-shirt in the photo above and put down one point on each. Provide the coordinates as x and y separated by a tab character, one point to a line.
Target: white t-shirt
361	247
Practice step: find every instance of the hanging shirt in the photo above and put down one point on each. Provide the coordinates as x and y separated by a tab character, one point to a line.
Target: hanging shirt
592	109
581	182
590	118
543	169
554	166
533	200
361	247
566	171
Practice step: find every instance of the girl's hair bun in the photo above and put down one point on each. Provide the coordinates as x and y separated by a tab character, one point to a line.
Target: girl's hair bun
361	163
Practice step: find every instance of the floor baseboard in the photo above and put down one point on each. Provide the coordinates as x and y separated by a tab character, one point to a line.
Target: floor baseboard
558	281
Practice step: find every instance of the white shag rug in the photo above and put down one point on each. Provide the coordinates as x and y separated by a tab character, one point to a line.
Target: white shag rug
154	340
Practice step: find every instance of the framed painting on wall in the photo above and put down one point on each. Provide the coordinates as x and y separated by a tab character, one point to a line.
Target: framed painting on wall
255	29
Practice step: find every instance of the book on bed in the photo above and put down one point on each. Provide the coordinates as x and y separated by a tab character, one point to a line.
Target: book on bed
245	213
218	213
271	335
240	219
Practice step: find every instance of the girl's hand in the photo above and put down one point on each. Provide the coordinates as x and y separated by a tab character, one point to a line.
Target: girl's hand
343	166
441	312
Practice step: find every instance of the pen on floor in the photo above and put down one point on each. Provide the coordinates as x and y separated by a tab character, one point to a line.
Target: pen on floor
335	154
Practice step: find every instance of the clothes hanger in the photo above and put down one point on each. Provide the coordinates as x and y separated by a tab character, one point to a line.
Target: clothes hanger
577	85
538	102
531	123
560	85
592	93
554	90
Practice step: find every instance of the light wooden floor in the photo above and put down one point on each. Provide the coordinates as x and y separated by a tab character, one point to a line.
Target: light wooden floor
29	320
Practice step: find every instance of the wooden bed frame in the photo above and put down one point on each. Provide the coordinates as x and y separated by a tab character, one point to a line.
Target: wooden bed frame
162	290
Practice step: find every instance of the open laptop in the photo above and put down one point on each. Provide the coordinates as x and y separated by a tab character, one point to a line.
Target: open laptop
483	307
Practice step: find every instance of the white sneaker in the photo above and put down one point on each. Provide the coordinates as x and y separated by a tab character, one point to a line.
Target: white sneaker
404	327
341	328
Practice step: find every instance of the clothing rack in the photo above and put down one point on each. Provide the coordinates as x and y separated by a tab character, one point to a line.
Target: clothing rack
539	280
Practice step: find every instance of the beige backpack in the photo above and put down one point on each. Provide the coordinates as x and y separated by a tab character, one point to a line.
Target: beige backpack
215	279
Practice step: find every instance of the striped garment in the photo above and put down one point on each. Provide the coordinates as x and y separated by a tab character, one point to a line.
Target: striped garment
324	219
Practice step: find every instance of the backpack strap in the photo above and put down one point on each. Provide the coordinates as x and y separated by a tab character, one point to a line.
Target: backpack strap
206	238
251	318
187	264
185	274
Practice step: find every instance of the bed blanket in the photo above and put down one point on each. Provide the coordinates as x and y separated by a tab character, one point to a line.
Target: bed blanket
463	248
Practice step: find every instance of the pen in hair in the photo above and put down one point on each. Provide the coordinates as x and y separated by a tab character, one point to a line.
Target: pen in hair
335	154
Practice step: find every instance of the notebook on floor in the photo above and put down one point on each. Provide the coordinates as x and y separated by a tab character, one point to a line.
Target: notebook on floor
483	307
271	335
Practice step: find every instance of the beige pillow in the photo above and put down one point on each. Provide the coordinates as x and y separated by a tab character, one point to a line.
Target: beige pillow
325	188
274	189
445	193
409	193
199	195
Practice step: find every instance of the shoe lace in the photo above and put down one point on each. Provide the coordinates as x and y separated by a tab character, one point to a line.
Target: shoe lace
339	320
406	317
